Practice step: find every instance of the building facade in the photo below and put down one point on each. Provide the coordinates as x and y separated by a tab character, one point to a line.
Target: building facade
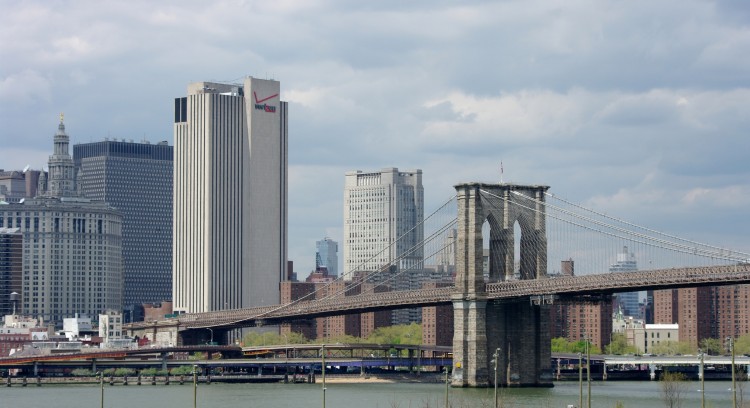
11	270
383	214
714	312
230	196
135	178
327	256
18	185
627	300
72	247
321	328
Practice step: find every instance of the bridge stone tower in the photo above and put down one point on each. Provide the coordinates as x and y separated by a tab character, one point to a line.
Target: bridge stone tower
519	329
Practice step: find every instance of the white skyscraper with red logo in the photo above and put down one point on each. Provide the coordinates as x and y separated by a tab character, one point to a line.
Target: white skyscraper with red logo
230	195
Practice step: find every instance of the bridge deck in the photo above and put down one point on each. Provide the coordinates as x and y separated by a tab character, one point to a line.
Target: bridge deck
508	290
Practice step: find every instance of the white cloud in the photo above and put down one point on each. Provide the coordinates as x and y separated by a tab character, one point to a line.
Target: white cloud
637	107
24	88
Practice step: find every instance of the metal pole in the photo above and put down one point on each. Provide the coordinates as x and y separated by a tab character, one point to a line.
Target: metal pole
195	386
446	388
734	388
497	357
703	388
580	380
101	386
323	371
588	373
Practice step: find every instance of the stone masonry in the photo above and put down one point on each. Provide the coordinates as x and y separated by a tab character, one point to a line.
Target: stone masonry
519	330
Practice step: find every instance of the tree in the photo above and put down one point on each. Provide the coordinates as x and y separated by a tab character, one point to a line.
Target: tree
270	338
673	385
619	345
713	347
561	345
400	334
182	370
671	348
741	345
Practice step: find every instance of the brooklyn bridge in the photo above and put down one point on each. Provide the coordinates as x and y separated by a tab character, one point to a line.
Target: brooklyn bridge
496	240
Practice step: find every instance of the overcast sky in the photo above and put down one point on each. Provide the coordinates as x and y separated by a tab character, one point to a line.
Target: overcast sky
640	109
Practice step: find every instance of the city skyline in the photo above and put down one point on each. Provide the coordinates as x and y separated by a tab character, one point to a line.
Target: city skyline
626	109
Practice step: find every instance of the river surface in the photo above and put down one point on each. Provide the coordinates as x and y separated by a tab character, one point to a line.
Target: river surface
367	395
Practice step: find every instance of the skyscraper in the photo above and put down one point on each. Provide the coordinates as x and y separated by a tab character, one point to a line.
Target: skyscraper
135	178
627	300
230	196
381	211
72	247
327	255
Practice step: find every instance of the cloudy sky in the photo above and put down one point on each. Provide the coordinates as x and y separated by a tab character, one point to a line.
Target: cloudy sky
639	109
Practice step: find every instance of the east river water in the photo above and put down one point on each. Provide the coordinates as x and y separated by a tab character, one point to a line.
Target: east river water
353	395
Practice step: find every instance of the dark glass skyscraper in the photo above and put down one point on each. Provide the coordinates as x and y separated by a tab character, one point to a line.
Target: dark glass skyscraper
136	179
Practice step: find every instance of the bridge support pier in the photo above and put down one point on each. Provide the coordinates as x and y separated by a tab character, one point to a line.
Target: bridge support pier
519	329
470	343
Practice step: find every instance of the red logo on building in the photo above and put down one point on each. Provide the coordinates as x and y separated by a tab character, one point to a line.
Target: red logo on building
264	106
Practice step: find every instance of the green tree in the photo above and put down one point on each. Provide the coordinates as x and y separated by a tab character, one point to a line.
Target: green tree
82	372
122	372
671	348
580	347
182	370
741	345
619	345
560	345
712	347
152	371
275	339
399	334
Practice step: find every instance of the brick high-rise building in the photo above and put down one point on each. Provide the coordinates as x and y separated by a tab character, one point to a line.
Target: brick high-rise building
703	312
578	320
590	320
665	306
358	324
437	321
732	305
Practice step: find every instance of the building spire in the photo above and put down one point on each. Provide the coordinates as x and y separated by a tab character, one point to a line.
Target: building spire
61	180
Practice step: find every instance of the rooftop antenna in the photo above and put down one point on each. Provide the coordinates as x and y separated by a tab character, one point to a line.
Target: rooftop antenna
501	172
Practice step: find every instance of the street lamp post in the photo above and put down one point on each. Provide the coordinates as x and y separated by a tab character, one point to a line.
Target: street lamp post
588	374
496	358
195	385
703	378
447	387
734	388
101	386
580	380
323	371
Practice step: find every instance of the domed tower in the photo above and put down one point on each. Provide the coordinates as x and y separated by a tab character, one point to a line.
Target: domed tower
61	180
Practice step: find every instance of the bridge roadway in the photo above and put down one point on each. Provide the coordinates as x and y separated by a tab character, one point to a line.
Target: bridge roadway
541	289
